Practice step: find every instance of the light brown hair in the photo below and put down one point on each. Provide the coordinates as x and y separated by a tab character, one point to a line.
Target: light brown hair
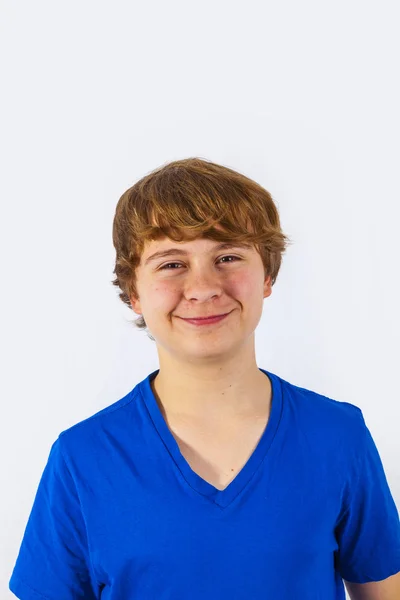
184	200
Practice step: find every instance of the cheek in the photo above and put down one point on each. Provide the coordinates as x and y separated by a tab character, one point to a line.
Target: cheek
162	294
243	285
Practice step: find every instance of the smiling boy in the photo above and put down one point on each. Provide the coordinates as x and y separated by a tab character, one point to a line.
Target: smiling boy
212	478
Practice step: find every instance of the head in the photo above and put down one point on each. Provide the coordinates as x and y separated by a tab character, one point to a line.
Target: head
193	206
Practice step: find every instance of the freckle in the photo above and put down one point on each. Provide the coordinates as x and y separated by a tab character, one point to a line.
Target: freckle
232	469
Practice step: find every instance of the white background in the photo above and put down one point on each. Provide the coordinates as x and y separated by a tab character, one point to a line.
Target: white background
303	97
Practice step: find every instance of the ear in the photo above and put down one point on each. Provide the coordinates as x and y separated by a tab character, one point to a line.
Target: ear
135	305
267	286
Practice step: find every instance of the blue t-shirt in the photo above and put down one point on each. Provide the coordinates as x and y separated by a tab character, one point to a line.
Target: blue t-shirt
120	515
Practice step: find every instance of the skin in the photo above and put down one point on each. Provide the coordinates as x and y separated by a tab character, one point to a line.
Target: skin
208	373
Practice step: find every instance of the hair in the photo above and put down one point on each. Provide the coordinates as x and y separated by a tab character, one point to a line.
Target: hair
184	200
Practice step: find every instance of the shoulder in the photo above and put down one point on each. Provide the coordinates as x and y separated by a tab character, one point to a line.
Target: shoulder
94	430
311	400
326	418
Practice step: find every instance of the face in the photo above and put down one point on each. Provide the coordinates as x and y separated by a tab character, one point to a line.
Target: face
198	278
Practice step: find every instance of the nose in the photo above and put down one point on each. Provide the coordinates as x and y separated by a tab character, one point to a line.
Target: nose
203	285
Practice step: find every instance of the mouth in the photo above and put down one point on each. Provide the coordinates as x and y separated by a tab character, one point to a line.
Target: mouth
206	320
202	318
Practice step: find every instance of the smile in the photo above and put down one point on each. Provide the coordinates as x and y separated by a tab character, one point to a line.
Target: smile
206	320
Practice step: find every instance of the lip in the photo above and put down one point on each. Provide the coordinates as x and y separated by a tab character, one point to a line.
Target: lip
201	318
207	320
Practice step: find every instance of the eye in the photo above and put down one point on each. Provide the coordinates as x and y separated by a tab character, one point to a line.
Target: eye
235	257
175	263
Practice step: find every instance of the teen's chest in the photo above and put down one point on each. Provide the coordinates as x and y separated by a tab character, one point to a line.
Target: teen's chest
145	521
218	453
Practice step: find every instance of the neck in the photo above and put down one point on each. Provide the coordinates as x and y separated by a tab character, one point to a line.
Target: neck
232	392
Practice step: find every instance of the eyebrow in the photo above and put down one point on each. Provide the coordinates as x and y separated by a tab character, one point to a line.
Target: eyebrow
181	252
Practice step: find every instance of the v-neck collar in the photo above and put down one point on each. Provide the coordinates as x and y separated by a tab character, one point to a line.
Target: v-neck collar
220	497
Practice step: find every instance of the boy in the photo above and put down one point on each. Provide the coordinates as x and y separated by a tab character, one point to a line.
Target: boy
213	478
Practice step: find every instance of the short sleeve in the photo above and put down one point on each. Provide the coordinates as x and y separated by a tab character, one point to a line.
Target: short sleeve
53	560
368	531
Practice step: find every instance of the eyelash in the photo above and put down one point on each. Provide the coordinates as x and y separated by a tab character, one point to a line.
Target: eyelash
176	263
